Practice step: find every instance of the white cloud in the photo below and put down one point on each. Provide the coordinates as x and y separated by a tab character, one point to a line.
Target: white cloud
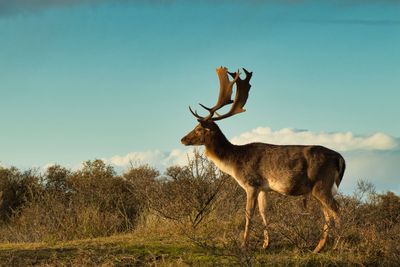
2	165
341	141
155	158
138	157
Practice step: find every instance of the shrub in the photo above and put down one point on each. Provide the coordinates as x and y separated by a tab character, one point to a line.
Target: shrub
61	204
199	203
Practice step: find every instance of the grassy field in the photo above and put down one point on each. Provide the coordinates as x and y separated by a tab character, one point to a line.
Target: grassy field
134	250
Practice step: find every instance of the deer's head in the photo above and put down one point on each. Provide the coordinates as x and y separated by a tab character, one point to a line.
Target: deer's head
201	134
207	129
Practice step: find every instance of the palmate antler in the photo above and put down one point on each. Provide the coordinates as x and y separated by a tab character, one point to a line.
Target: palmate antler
225	94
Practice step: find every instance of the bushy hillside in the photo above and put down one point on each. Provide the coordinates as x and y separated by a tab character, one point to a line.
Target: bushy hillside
187	215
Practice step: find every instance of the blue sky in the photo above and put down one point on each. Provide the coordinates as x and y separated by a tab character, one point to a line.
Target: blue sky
96	79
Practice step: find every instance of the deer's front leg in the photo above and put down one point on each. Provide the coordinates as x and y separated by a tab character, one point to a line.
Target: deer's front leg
262	206
251	194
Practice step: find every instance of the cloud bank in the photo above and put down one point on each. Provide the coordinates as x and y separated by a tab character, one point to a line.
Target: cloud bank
156	158
341	141
2	165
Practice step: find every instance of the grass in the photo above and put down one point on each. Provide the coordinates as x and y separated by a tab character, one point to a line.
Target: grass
137	250
120	250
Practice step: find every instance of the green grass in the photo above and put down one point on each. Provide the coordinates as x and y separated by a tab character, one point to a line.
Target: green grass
118	250
135	250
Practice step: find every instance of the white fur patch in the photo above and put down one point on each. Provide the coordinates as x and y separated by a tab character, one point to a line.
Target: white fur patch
334	189
278	187
224	167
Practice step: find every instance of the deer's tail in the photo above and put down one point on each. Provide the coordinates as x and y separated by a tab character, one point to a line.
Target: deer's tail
341	168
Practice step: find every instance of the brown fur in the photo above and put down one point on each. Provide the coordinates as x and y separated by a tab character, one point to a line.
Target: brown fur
286	169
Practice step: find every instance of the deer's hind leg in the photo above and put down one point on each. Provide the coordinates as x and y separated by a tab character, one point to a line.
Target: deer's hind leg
329	208
325	229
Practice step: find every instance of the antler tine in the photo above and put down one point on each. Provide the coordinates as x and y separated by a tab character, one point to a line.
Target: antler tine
195	114
233	74
248	74
242	93
209	109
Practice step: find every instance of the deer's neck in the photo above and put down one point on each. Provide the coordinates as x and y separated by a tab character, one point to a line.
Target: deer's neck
220	151
219	146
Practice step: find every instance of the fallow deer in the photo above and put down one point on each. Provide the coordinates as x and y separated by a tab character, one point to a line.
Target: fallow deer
259	167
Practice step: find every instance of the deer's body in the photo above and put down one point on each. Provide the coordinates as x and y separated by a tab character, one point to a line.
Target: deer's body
286	169
259	167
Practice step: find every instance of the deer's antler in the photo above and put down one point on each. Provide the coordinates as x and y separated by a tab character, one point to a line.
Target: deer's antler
225	94
242	93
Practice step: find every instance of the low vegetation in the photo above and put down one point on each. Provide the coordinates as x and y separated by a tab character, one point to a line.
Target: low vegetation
191	215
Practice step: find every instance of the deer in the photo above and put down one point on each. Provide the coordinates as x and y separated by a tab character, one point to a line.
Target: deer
258	168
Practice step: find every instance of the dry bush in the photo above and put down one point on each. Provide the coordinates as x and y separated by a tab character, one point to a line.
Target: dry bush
63	205
195	201
370	226
16	189
187	194
96	186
